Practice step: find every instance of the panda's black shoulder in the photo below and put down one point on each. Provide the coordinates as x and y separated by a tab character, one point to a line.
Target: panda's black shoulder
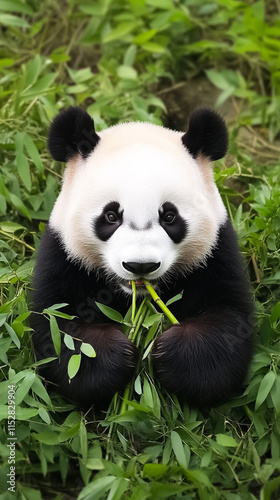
58	279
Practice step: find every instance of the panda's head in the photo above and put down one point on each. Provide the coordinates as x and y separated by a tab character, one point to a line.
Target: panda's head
138	200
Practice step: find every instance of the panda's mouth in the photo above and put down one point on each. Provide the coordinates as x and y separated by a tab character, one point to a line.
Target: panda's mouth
138	282
140	285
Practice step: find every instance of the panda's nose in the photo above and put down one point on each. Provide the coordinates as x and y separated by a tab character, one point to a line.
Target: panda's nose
141	268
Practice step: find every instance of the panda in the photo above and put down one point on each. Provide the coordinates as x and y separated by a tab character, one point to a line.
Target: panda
138	201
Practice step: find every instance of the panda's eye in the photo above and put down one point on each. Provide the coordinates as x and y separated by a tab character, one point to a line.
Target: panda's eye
169	217
111	217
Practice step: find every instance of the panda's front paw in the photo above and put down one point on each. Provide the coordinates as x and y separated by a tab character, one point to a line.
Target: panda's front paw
196	361
115	361
168	356
99	378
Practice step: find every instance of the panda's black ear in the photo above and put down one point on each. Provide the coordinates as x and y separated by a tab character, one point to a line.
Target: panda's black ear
71	132
207	135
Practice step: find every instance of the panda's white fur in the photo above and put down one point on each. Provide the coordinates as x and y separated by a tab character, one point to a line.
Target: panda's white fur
141	166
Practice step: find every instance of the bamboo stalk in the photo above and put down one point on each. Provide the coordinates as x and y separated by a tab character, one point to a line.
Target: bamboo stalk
160	303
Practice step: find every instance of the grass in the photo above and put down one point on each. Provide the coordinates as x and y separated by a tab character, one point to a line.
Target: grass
114	58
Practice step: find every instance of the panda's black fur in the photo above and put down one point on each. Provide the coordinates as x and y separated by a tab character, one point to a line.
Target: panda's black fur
204	359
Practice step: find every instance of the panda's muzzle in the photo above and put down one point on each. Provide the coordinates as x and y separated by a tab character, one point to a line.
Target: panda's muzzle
141	268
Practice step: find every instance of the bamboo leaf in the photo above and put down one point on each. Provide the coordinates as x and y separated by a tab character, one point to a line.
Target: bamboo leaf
21	161
265	388
33	152
12	334
69	342
24	387
11	20
178	449
110	313
74	365
226	440
88	350
55	333
15	6
120	31
174	299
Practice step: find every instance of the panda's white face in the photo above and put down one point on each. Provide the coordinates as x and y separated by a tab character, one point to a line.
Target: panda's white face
140	206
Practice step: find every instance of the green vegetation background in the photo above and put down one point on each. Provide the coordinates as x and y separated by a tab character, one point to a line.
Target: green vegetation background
132	60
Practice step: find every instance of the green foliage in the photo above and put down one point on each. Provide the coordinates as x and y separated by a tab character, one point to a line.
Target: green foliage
112	57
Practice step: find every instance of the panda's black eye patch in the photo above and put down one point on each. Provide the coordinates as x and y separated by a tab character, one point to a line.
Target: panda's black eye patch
171	221
108	221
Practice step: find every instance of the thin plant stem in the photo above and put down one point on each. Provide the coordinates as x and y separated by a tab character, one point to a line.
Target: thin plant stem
133	302
12	237
160	303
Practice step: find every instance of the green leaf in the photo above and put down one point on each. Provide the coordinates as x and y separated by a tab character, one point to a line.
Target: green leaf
26	413
161	4
271	486
275	395
97	488
19	205
33	152
24	387
18	328
98	9
218	79
3	317
7	61
74	365
44	416
154	470
10	20
110	313
15	6
154	318
88	350
53	308
161	490
144	37
123	440
118	488
153	47
43	361
69	433
174	299
83	441
69	342
80	75
12	334
127	72
275	313
265	388
39	389
11	227
178	449
225	440
21	161
120	31
55	333
198	477
138	385
41	86
49	438
130	55
32	70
